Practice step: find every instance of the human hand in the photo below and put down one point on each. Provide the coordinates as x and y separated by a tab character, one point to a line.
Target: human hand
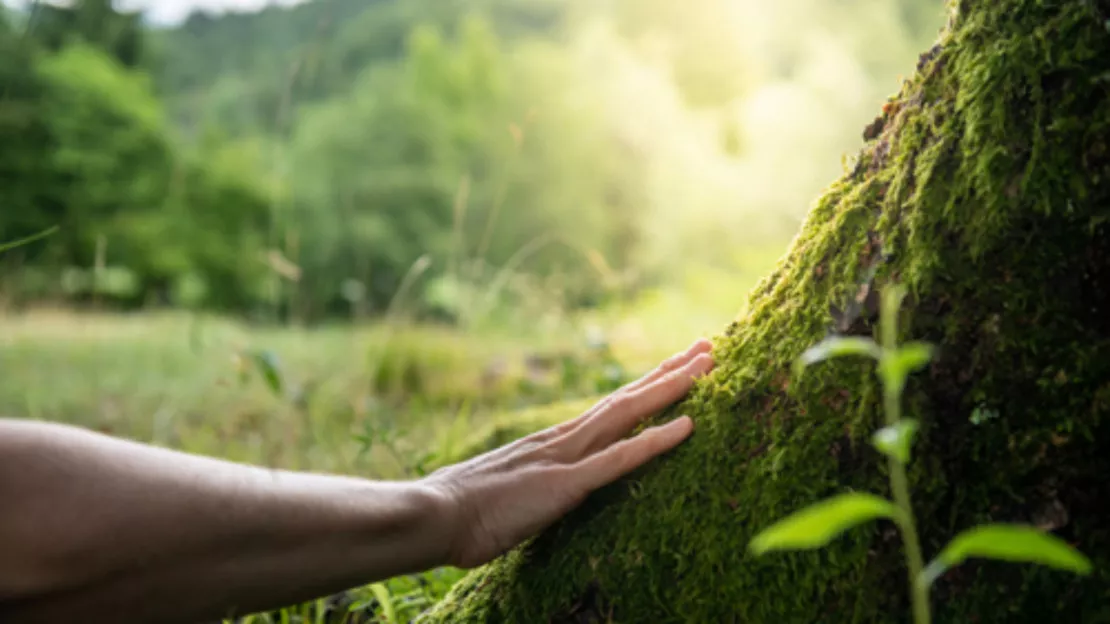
497	500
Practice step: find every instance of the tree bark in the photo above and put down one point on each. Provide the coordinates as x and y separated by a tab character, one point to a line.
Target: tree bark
984	189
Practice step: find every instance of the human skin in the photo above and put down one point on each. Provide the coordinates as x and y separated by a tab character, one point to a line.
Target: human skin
98	529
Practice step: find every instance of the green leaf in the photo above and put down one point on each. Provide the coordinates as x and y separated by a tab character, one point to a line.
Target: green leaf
268	364
1008	542
381	593
837	346
895	366
366	442
420	466
30	239
931	573
367	438
818	524
895	441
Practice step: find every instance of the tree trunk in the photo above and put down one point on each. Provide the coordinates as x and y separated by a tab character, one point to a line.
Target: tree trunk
984	189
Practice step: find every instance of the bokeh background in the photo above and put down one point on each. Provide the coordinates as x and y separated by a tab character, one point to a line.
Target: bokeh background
376	236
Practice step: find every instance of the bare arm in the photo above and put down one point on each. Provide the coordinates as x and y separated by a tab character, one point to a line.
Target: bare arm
133	533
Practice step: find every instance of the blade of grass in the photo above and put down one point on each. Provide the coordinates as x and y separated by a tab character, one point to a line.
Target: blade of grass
27	240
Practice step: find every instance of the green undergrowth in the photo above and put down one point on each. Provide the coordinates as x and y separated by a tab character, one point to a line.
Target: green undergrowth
394	601
307	399
984	188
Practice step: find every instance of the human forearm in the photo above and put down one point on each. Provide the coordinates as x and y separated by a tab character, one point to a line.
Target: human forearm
98	529
94	524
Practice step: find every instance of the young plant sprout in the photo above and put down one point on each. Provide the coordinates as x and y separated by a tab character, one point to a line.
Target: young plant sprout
817	525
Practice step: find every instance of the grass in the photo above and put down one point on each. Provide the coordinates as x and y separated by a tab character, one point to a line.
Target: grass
382	401
173	380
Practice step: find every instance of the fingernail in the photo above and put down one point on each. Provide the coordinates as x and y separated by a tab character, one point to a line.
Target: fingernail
689	422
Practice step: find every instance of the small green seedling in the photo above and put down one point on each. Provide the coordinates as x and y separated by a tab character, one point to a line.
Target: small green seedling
818	524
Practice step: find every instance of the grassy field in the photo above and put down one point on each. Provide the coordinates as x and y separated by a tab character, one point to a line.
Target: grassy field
383	401
298	399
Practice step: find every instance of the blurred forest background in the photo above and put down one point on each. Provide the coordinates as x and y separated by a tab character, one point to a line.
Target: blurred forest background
296	163
343	234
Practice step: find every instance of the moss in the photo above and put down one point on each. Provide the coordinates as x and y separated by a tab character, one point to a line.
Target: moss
985	189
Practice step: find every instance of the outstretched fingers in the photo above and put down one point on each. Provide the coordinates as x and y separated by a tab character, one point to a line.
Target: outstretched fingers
602	408
624	413
625	456
672	363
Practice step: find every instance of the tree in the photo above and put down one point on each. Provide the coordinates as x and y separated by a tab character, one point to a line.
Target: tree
111	159
376	173
984	189
468	153
91	22
86	150
24	141
255	71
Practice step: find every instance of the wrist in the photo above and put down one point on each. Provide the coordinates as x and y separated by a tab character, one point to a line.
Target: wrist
436	525
451	528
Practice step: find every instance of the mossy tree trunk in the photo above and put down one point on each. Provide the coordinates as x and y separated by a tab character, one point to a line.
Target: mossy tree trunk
984	189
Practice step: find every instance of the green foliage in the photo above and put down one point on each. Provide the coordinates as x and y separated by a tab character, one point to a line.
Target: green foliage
295	162
895	368
255	72
25	173
436	154
394	601
381	594
93	157
95	23
1004	542
268	367
838	346
818	524
110	153
895	440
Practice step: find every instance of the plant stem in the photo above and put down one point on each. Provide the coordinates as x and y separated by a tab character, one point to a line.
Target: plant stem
899	484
